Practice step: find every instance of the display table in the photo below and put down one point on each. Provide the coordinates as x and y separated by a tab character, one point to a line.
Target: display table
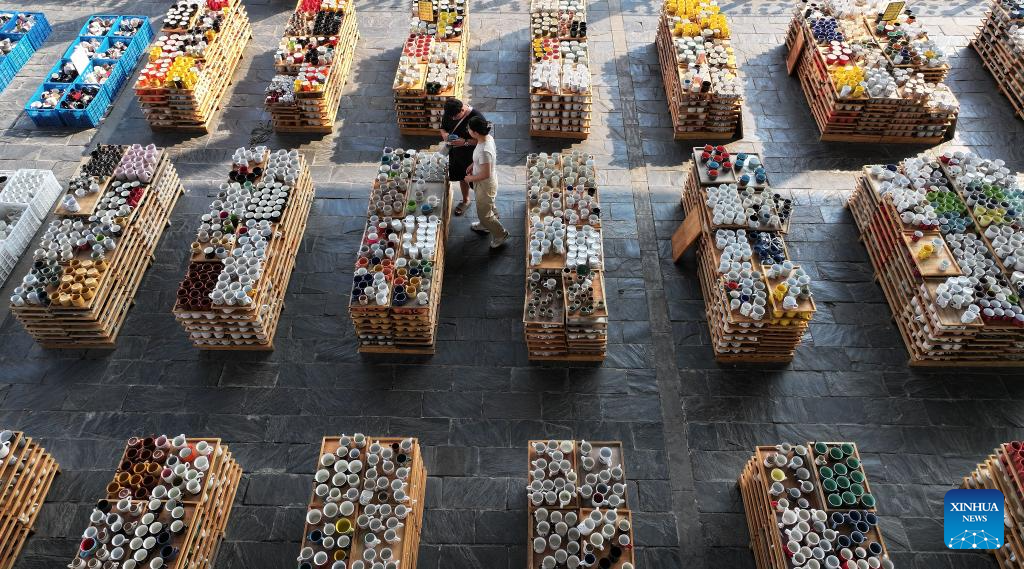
565	316
91	259
1000	44
432	68
909	104
346	522
588	520
1003	471
757	312
220	304
170	498
884	207
785	485
399	271
26	197
305	94
28	31
182	92
83	84
698	69
26	473
560	79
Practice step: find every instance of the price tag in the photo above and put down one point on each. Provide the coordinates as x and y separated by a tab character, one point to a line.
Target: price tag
426	10
892	11
80	59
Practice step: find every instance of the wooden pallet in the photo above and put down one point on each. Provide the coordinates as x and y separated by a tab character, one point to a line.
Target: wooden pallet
261	318
864	120
557	100
97	324
26	475
580	506
999	56
407	552
417	109
939	338
206	514
735	338
192	110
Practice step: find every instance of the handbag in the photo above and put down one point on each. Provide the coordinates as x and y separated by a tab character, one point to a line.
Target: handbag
445	146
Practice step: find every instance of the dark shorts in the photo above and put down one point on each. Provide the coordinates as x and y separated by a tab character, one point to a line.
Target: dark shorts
458	160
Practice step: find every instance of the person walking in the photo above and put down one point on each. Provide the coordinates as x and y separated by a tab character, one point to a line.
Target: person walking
483	174
454	131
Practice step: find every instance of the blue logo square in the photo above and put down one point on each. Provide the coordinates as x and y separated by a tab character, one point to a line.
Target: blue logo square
974	519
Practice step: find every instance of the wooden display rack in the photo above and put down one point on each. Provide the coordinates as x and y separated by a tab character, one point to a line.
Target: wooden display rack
260	319
407	553
419	112
736	338
866	119
171	108
999	55
315	112
996	473
97	324
25	478
937	337
206	513
563	102
410	329
763	521
582	507
695	116
581	338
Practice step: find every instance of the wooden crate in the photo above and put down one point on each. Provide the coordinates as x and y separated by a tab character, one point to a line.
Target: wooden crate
206	514
999	56
695	116
562	102
97	324
254	327
419	112
735	338
882	121
170	108
407	552
933	336
580	506
763	520
25	478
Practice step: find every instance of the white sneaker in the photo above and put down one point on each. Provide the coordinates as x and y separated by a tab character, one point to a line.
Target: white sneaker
479	228
499	241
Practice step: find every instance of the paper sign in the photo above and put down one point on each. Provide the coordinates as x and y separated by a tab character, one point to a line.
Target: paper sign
426	10
80	59
893	10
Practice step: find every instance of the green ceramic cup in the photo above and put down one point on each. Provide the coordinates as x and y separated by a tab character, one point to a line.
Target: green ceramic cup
829	485
820	448
826	472
853	463
835	500
843	482
857	476
847	449
868	500
840	469
835	453
849	498
857	489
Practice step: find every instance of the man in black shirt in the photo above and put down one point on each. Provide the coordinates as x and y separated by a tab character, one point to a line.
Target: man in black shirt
454	130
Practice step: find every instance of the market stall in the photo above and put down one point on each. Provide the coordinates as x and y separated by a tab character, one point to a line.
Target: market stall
399	270
871	77
312	63
1000	44
191	63
698	68
576	504
758	300
943	236
811	502
244	252
432	68
26	473
565	316
91	259
367	503
167	505
560	79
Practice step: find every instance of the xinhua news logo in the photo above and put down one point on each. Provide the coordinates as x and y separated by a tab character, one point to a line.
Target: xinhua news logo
974	519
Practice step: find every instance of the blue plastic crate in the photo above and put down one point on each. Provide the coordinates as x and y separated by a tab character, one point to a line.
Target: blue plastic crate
26	45
45	117
113	83
56	69
91	115
104	42
85	27
39	32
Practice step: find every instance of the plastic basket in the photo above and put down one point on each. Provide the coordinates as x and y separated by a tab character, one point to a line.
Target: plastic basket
47	190
104	42
85	27
90	116
45	117
22	231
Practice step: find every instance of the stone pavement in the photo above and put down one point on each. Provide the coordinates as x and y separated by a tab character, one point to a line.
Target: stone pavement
688	424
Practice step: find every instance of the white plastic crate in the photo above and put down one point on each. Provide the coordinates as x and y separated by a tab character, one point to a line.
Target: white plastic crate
43	190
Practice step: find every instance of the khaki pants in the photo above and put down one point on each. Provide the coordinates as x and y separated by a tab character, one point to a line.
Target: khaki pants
486	191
